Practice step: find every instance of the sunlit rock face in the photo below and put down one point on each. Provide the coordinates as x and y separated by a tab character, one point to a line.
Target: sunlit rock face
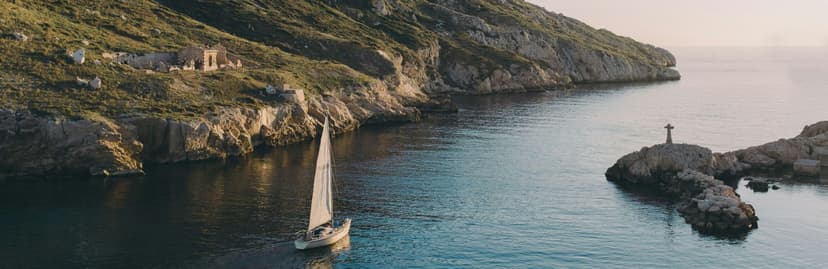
683	171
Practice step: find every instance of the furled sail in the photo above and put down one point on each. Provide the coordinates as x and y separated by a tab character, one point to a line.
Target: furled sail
322	201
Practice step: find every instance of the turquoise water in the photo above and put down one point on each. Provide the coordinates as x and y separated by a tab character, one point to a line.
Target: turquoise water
509	181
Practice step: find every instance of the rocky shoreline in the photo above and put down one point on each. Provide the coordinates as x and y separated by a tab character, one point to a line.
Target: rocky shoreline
690	172
46	145
364	64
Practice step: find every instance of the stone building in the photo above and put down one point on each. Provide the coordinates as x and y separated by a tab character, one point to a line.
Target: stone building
206	58
201	58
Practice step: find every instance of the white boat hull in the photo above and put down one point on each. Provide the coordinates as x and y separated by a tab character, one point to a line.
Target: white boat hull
329	239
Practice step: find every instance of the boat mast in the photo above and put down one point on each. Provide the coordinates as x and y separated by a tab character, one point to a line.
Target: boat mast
333	172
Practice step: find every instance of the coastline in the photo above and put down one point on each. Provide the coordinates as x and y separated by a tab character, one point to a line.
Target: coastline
52	146
697	176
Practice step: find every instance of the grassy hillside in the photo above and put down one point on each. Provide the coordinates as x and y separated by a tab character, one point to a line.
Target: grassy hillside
322	46
38	74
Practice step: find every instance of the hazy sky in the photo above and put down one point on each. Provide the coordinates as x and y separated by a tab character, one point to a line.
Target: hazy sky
673	23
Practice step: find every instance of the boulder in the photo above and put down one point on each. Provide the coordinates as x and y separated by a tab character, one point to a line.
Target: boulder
778	154
775	187
81	82
759	184
20	36
79	56
95	83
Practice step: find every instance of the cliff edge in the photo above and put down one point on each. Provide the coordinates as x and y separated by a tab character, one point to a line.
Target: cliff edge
94	87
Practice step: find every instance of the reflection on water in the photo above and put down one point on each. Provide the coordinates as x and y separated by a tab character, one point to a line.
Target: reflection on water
509	181
280	255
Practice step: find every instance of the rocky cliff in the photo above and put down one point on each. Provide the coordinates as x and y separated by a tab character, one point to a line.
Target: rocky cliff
359	62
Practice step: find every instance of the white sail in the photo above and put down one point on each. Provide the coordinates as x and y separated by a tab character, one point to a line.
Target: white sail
322	201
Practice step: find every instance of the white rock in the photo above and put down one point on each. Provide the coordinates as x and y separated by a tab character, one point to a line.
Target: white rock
81	82
95	83
85	42
79	56
20	36
97	62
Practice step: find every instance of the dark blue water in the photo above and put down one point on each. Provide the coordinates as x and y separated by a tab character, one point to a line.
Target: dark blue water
509	181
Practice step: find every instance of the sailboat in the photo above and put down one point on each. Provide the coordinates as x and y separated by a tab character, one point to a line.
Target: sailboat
323	230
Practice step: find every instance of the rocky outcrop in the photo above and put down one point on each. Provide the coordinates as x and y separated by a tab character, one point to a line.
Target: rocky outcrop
37	146
651	165
717	209
560	60
780	155
758	184
687	171
233	132
814	130
44	145
681	170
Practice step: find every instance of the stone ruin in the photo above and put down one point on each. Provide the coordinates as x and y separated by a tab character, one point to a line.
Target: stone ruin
193	58
287	93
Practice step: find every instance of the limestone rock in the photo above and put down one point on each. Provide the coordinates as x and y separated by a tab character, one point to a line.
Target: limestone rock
777	155
814	130
81	82
95	83
79	56
20	37
718	209
651	164
44	146
682	170
808	168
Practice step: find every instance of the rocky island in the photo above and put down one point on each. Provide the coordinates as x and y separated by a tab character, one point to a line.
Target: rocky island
357	62
690	172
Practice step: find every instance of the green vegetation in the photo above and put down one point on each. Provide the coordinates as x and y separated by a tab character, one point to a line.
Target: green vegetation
321	46
38	74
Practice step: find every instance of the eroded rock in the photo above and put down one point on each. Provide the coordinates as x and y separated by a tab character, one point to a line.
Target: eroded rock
45	146
652	164
20	37
95	83
682	170
79	56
